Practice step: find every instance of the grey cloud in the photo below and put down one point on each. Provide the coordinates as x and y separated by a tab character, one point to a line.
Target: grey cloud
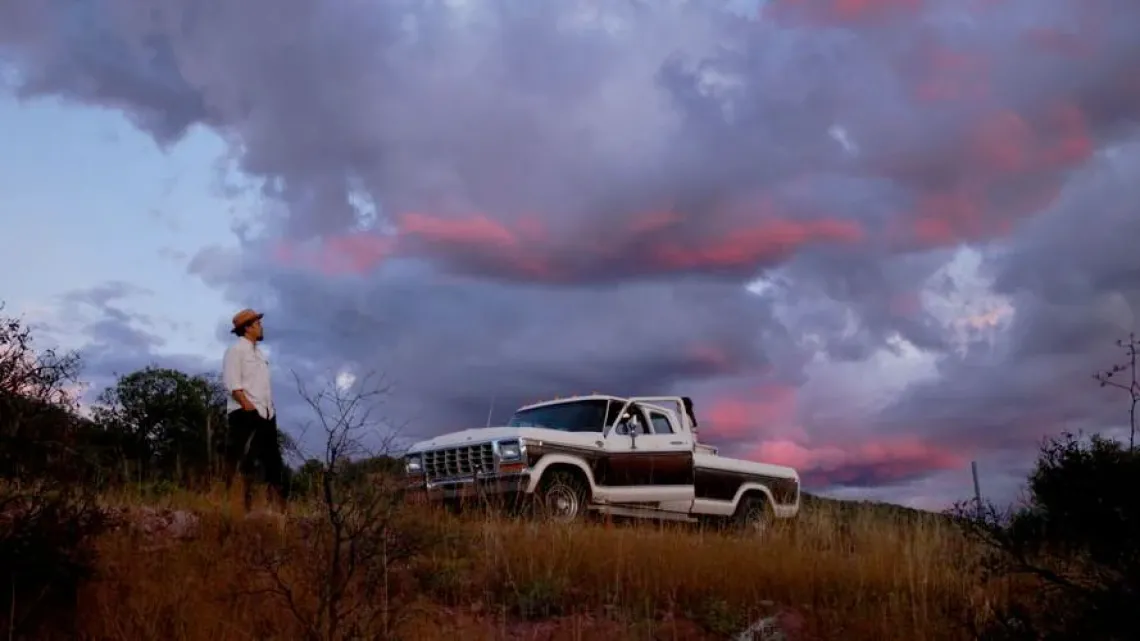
103	295
451	345
1072	278
115	339
819	291
413	102
173	255
98	313
77	46
214	265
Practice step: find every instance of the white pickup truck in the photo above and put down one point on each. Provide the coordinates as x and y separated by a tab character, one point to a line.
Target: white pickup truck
633	457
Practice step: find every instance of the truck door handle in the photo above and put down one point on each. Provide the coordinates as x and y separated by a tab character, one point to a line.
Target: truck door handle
676	442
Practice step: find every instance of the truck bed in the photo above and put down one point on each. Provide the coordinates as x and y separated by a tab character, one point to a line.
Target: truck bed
718	478
715	462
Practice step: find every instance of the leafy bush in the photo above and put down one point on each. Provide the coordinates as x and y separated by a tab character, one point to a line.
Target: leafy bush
45	555
47	517
1075	538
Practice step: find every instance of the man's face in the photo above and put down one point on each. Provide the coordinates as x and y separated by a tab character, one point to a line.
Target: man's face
255	331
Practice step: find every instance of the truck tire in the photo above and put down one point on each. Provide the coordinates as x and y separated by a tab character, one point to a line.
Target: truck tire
562	497
753	516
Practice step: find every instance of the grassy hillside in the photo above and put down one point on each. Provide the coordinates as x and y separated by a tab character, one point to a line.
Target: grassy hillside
840	571
846	510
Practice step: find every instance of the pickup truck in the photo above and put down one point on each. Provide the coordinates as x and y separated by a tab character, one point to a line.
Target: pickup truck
629	457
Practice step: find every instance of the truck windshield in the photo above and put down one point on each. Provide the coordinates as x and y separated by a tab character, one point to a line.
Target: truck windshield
577	416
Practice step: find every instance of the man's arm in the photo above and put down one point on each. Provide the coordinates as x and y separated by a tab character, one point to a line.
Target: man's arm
231	378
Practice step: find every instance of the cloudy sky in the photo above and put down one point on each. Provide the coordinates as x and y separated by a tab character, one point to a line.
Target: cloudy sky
874	239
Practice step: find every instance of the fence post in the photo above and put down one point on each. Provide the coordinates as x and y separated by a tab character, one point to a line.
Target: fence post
977	490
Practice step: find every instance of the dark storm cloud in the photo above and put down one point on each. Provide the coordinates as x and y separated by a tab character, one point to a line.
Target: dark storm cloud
451	345
74	50
567	201
1073	278
679	107
880	294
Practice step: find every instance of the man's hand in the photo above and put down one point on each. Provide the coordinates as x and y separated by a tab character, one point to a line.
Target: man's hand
243	400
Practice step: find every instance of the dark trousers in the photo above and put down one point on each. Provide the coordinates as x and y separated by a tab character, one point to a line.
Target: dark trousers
253	439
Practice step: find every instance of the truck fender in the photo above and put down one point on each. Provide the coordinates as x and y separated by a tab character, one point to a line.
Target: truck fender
556	459
746	487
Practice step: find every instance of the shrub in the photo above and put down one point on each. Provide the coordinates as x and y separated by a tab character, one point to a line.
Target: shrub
47	518
1075	538
45	555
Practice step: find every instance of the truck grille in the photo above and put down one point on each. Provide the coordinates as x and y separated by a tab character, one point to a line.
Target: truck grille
459	461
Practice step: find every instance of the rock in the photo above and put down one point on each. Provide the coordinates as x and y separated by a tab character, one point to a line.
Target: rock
785	625
159	527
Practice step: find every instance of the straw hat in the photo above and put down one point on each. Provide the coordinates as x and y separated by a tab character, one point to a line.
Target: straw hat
245	317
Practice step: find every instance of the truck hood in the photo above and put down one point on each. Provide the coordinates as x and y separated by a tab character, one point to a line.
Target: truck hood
485	434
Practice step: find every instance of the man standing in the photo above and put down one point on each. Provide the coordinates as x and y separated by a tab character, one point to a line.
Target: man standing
253	436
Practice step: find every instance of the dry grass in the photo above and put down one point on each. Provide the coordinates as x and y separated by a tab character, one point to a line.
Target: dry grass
861	576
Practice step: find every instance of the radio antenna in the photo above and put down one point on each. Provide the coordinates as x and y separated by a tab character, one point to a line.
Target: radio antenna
490	410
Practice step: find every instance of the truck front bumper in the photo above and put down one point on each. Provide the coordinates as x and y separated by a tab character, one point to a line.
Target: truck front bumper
474	489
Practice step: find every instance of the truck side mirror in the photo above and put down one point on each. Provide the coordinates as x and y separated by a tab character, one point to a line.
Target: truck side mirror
626	428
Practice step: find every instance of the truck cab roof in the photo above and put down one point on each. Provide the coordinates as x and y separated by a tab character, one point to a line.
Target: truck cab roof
574	399
678	410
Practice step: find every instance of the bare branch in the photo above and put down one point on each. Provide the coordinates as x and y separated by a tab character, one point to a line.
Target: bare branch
1130	366
356	538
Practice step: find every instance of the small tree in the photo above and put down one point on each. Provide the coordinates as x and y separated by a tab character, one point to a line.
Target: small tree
1131	386
306	480
169	423
38	397
358	535
42	376
1076	535
47	516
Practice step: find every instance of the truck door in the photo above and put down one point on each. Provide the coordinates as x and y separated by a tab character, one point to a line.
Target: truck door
647	460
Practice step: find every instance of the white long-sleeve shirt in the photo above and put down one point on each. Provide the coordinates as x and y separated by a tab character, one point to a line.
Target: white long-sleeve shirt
246	368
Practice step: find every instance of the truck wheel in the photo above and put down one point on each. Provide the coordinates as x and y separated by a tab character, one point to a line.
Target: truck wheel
561	497
753	516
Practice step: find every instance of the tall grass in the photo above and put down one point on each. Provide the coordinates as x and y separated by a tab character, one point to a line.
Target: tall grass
852	576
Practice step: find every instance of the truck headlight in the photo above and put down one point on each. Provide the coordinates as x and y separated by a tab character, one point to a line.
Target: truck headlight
414	464
510	451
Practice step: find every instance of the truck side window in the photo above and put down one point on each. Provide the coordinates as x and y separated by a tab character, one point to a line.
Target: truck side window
661	424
